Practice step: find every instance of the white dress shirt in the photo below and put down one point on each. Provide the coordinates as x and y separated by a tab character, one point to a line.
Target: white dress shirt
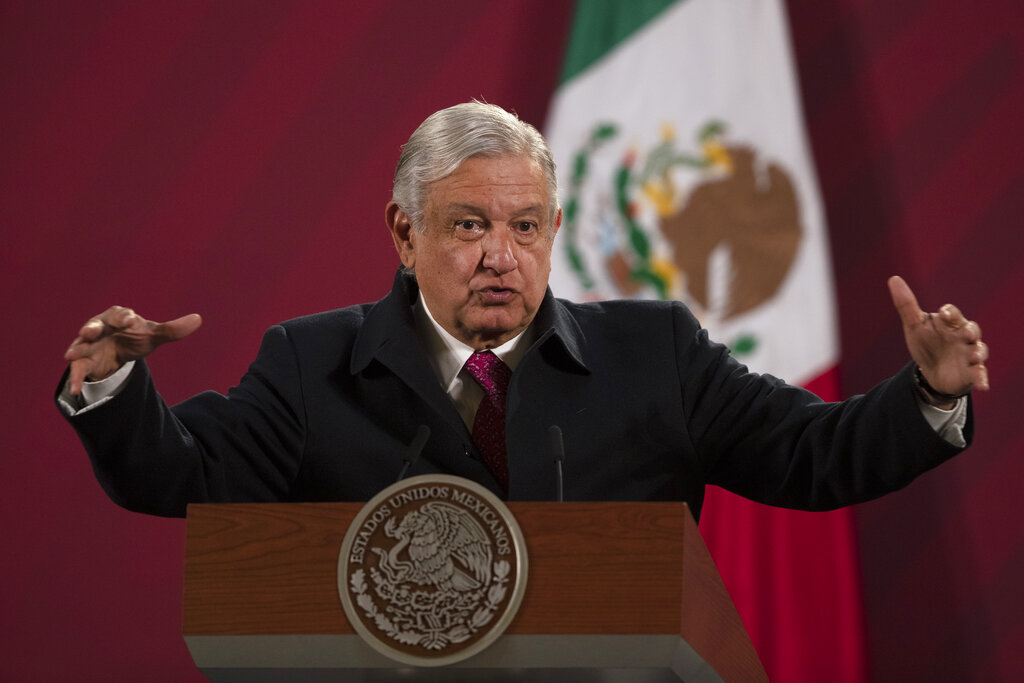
448	356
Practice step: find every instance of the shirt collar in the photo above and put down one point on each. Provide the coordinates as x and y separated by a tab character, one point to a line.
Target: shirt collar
449	355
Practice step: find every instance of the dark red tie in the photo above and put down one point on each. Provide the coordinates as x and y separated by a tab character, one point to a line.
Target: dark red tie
489	425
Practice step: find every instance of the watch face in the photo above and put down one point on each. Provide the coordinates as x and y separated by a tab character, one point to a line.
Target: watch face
432	570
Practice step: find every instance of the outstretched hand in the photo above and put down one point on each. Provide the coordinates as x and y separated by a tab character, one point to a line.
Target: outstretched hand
118	335
945	345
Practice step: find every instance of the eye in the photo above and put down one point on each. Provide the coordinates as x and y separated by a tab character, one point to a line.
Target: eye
466	224
525	226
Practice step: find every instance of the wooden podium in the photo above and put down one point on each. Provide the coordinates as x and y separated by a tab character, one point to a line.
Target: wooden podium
616	591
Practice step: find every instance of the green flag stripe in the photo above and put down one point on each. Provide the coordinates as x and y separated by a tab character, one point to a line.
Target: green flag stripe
600	25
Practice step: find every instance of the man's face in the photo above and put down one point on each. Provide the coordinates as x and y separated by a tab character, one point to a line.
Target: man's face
483	259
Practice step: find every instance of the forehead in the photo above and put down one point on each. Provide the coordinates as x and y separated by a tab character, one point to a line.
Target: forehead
505	181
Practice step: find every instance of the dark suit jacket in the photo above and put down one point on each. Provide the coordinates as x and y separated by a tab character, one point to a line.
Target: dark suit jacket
650	409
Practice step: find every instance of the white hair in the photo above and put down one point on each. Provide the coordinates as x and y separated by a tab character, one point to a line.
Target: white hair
451	136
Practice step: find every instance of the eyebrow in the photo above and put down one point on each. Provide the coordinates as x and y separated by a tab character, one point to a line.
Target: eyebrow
533	208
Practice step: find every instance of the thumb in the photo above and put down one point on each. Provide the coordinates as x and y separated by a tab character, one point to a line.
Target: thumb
905	301
179	328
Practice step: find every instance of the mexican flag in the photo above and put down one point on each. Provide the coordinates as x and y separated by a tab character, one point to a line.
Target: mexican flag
685	174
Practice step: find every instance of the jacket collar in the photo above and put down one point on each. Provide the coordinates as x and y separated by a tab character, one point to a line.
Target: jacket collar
557	330
389	323
389	333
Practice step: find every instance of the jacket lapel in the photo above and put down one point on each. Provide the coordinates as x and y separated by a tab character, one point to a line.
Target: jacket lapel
389	337
553	368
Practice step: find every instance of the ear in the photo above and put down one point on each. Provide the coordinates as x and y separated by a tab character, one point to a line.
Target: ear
402	233
558	222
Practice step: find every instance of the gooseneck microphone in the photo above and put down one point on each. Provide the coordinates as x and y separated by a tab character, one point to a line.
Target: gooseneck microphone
557	449
415	448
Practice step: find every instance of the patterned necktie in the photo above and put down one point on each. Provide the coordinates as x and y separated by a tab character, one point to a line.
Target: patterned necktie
489	425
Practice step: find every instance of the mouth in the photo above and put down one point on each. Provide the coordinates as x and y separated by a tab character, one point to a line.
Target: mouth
496	295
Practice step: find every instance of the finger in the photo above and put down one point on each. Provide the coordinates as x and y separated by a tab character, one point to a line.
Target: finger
980	354
971	332
980	375
176	329
109	321
905	302
78	349
123	319
982	382
93	329
78	371
952	317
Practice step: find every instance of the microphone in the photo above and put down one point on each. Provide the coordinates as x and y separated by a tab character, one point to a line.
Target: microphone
557	450
415	448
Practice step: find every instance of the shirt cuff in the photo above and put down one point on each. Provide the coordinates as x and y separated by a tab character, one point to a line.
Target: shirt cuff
948	424
94	394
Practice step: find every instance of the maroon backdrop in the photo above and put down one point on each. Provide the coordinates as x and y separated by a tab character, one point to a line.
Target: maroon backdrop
915	110
234	158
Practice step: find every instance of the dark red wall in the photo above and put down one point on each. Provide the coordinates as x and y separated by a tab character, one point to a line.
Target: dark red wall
234	158
914	109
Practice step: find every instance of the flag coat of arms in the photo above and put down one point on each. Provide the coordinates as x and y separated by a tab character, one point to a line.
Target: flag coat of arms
685	173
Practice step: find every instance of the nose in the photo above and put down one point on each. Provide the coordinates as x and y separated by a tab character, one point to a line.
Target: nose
499	254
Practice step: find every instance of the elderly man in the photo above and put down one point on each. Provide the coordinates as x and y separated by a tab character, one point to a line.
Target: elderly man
471	344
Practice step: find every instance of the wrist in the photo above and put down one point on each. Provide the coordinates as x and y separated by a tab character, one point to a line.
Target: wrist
931	395
100	376
102	373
